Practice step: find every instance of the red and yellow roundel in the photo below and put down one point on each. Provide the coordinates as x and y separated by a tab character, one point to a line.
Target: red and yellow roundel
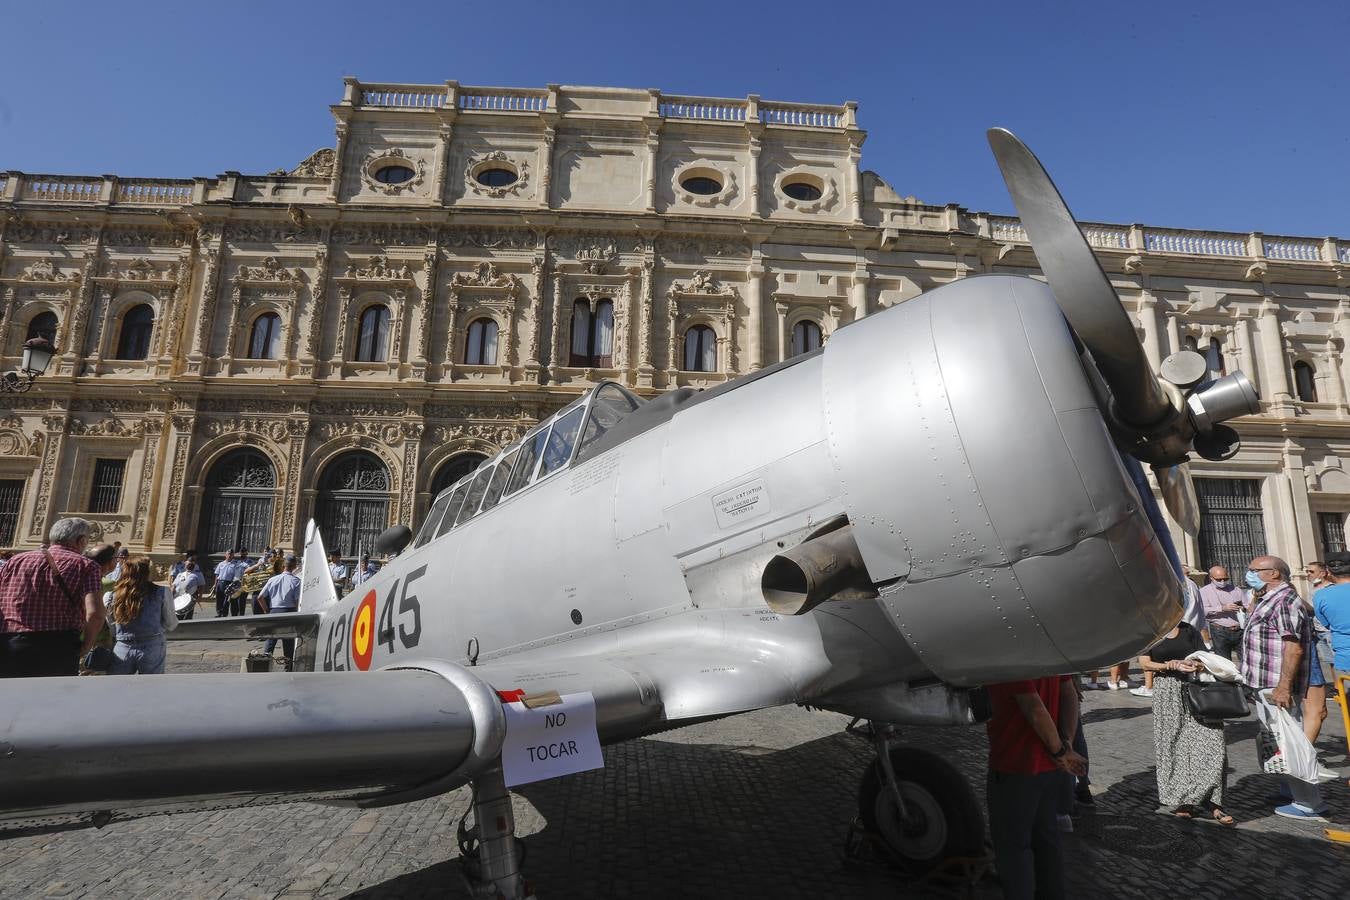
363	633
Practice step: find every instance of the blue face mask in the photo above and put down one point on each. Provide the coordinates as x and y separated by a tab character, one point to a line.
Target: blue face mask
1254	580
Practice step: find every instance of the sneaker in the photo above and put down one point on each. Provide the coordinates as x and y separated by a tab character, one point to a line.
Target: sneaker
1115	685
1066	823
1296	811
1142	692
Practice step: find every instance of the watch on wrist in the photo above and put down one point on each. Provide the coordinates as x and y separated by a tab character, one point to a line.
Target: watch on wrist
1063	749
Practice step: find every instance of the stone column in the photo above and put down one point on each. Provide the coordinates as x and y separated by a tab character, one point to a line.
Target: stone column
1331	366
754	303
1295	489
1342	332
853	179
339	160
754	131
546	166
653	145
1173	335
559	334
858	291
407	499
297	429
780	324
344	326
232	324
182	424
443	157
318	299
1148	319
54	447
536	308
646	311
430	265
1274	365
1242	330
206	311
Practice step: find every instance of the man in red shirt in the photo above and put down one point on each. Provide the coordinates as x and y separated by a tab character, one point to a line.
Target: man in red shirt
1030	736
51	607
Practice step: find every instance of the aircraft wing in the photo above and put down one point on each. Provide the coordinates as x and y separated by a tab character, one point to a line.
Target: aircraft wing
280	625
76	752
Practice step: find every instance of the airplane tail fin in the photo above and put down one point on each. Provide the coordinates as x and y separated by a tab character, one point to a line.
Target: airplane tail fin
317	592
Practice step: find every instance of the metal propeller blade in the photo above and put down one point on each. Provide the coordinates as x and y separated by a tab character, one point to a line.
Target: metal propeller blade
1178	493
1081	287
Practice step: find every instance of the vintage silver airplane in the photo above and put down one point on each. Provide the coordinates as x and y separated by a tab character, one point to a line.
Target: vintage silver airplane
948	494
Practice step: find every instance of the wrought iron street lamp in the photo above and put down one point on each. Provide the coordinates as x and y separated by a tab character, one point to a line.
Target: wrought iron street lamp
37	355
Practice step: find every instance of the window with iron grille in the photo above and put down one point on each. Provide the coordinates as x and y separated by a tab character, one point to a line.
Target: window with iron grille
1232	528
1331	528
11	496
106	496
237	506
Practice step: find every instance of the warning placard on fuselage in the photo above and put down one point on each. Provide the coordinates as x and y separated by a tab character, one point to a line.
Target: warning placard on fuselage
744	501
560	739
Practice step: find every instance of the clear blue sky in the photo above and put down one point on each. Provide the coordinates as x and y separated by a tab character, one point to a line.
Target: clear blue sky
1231	115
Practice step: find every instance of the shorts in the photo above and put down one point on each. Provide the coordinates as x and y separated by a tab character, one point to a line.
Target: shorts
1316	677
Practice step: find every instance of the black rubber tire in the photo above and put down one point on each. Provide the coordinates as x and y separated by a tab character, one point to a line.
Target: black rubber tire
922	773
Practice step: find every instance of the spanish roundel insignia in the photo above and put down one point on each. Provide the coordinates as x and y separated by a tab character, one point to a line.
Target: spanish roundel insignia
363	633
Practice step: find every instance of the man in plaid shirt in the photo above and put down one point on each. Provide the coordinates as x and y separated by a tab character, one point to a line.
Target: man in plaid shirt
51	606
1275	656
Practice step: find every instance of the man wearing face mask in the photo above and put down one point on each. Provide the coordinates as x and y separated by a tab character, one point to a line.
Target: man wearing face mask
1276	644
1222	601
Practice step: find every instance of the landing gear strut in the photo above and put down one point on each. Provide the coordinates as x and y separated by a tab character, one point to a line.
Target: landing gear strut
918	807
490	852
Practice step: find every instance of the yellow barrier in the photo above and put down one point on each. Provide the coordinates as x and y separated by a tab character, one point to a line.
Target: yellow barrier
1342	685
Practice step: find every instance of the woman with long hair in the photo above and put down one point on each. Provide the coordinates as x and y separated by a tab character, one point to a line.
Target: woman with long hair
140	613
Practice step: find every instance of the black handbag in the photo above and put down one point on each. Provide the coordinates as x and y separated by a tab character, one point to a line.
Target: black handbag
1209	700
99	659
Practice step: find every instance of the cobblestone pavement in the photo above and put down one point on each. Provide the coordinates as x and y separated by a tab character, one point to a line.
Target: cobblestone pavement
754	806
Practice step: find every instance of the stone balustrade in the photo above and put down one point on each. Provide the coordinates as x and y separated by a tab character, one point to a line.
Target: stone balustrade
1195	243
503	99
802	115
402	96
1302	249
707	109
154	192
64	189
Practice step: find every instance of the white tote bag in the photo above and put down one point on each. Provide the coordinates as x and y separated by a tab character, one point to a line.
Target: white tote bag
1293	754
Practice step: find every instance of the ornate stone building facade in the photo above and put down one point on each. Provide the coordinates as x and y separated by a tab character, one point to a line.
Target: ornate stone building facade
340	339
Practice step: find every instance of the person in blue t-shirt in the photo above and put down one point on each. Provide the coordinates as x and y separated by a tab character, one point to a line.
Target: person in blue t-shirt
1331	605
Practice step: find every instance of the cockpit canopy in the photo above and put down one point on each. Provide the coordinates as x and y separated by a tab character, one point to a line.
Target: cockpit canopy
547	449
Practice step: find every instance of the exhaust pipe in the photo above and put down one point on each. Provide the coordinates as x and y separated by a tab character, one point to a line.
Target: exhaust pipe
818	569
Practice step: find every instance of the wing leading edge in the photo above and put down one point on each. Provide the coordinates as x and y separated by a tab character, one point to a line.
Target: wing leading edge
176	743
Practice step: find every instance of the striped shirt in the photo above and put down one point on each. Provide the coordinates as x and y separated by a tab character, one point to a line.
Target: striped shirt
1277	616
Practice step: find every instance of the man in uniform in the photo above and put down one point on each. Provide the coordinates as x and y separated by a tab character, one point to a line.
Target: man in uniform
281	594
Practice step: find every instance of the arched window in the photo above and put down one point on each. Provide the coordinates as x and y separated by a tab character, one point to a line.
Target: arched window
453	469
593	334
700	349
353	505
372	335
265	341
1305	382
805	337
134	341
1214	358
42	325
480	347
237	505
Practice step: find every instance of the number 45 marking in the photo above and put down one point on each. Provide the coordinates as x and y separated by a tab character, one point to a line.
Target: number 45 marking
408	636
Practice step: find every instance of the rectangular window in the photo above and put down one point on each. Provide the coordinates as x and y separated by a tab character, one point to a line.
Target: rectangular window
1330	527
11	496
106	495
1232	528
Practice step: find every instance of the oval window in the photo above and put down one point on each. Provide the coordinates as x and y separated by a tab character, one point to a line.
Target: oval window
702	184
394	174
496	177
802	190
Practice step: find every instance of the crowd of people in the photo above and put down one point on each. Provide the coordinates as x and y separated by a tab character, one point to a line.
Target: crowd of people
74	605
1290	653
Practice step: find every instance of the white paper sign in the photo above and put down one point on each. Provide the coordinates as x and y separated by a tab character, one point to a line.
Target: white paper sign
551	740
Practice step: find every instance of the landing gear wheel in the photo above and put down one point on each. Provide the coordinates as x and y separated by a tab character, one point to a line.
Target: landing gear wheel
942	820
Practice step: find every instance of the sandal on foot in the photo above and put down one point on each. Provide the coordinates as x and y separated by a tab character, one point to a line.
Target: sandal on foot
1185	811
1218	815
